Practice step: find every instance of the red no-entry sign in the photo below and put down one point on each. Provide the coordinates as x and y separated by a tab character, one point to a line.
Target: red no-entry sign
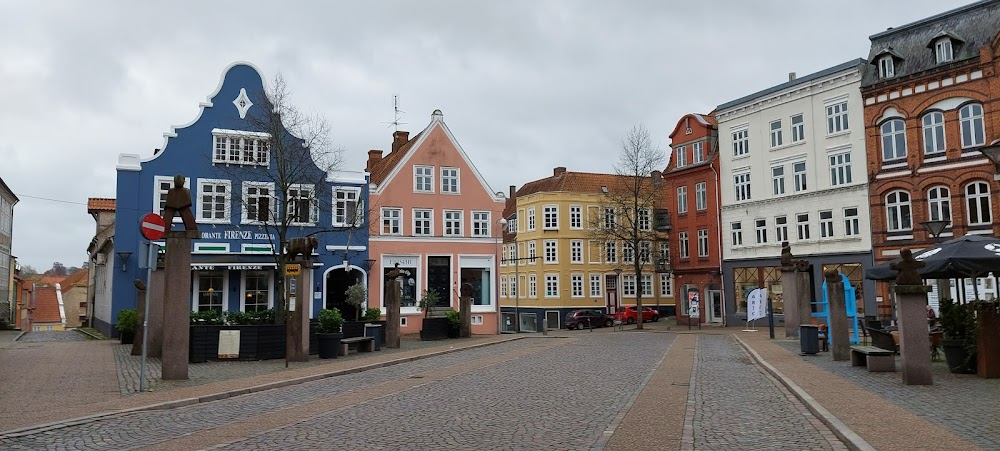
152	226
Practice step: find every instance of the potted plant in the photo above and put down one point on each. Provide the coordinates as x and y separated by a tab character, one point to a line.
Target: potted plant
433	328
958	322
454	322
328	333
356	295
128	322
373	314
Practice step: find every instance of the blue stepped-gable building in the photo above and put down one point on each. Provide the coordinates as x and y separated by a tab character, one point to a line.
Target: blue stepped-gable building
223	154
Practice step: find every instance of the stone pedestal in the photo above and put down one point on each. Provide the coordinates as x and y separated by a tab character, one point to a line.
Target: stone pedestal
154	347
988	342
299	295
839	333
790	296
177	304
392	313
804	296
140	311
465	312
914	342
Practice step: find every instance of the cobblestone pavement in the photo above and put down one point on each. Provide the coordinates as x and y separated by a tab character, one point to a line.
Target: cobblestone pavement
964	404
52	335
734	405
544	393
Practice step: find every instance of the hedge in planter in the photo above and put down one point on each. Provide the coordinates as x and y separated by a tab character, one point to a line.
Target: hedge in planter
128	322
328	333
958	322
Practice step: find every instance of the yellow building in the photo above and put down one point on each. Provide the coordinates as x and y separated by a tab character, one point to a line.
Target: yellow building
558	256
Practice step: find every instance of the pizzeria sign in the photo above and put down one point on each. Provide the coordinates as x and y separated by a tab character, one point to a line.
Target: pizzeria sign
229	267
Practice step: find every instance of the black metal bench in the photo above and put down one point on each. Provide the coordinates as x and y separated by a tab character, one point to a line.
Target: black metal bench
875	358
364	344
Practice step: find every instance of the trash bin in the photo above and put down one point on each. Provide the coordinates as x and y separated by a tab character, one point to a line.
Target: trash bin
374	331
809	338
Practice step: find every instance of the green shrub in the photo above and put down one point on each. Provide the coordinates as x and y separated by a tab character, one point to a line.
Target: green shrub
207	317
356	295
373	314
329	321
428	300
454	319
128	321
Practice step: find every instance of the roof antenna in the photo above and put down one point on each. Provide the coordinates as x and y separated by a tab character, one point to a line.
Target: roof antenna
398	114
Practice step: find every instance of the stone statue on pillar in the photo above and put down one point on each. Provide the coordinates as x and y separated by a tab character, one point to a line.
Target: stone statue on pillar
392	315
179	202
911	308
795	289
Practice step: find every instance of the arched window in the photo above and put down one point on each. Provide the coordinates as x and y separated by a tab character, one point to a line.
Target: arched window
893	140
939	203
897	206
971	120
977	199
933	133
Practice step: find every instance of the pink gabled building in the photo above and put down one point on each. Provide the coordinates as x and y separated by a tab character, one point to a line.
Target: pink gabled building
435	216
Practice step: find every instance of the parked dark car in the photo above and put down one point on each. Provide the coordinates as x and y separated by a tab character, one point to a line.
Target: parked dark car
582	319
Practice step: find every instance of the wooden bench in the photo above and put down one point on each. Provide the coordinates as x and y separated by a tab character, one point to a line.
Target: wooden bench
364	344
876	359
882	339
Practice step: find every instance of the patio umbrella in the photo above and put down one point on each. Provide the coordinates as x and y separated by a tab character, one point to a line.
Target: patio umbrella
969	256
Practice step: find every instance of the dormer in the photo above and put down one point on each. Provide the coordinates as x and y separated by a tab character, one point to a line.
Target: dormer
887	62
944	46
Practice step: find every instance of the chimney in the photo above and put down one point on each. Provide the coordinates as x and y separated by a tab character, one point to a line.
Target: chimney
513	189
558	171
791	76
399	139
657	178
374	156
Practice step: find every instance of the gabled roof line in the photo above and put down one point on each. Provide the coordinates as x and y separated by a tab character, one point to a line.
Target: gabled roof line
930	19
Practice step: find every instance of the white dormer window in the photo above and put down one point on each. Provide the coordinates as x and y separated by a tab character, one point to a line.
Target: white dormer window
943	51
885	67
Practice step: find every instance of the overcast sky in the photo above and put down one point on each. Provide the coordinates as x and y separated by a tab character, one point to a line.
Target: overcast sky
525	86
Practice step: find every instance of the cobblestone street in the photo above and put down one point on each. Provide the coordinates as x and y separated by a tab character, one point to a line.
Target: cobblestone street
535	393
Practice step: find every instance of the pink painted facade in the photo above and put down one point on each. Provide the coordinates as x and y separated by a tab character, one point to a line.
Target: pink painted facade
434	215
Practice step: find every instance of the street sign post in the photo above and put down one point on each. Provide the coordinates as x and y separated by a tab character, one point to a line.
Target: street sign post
292	269
152	226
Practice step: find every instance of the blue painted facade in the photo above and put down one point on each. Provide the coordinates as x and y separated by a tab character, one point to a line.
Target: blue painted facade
235	256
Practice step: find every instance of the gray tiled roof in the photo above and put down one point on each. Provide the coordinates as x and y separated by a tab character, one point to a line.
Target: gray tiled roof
976	24
789	84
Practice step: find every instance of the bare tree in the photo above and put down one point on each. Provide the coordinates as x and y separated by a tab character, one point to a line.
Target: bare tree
283	165
630	207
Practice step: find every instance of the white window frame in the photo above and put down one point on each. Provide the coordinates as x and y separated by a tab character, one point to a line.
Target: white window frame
644	218
611	252
550	217
736	235
596	290
576	217
697	152
423	215
272	202
836	117
532	286
682	239
852	222
840	169
943	51
886	68
160	194
227	201
243	288
340	219
800	179
300	189
391	221
760	230
939	203
700	196
971	124
576	285
681	152
979	199
741	185
531	219
903	211
775	127
196	289
450	180
741	141
503	287
934	135
241	147
532	256
628	252
826	224
702	243
453	223
481	223
628	285
423	176
777	180
666	286
550	251
798	128
551	285
781	228
802	226
682	200
893	135
576	251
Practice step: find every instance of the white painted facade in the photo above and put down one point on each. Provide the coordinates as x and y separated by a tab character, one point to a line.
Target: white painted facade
814	148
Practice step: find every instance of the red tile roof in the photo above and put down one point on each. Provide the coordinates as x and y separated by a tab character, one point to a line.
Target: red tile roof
580	182
77	279
46	305
95	204
381	169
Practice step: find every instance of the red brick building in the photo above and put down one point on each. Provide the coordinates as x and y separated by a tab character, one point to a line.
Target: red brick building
930	94
692	177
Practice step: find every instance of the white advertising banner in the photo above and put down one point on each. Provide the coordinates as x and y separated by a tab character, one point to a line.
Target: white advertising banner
756	304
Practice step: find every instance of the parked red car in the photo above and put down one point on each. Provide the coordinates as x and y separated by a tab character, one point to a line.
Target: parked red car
582	319
628	314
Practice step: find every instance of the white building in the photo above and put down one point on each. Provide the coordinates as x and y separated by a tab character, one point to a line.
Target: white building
792	161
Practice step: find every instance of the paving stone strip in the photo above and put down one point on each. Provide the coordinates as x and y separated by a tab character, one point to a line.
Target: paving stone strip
562	398
733	404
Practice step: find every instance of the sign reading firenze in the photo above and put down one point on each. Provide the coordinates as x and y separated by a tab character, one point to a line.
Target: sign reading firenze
244	235
229	267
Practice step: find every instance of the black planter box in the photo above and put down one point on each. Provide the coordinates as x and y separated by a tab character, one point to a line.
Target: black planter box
328	345
256	342
958	358
352	329
435	329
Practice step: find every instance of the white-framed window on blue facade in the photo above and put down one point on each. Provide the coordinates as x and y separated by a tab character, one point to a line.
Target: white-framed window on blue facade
210	291
347	208
161	185
241	147
256	291
301	205
214	201
259	206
